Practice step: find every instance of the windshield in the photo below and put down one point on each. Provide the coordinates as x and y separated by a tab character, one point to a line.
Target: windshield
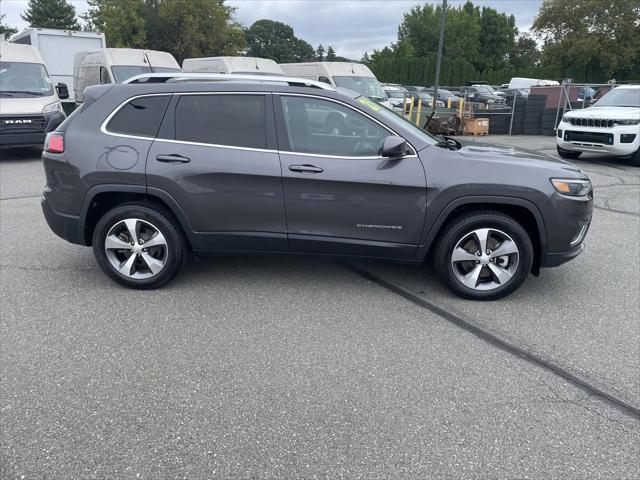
367	86
485	88
395	121
395	93
18	79
620	97
124	72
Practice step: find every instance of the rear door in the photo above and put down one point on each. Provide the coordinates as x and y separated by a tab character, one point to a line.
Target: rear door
341	196
216	156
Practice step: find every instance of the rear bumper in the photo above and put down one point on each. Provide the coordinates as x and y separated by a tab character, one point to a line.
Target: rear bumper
67	227
16	138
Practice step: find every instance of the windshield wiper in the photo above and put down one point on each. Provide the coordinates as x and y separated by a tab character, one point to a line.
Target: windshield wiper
22	92
449	143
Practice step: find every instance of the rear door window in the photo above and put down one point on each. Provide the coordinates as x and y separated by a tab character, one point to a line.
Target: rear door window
222	119
140	117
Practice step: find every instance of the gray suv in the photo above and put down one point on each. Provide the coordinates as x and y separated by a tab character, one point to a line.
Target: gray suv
146	172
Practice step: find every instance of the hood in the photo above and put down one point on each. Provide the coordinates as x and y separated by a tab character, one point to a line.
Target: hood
26	105
613	113
495	152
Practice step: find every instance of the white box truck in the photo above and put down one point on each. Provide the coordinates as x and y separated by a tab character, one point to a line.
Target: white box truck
58	49
29	103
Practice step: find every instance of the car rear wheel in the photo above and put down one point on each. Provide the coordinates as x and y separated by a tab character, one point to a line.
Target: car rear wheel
568	154
484	255
139	246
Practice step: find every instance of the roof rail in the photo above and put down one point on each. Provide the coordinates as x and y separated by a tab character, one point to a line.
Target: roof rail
225	77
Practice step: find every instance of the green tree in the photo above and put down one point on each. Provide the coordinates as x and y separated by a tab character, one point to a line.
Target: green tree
276	40
122	22
525	53
184	28
497	38
51	14
320	52
590	40
193	28
6	30
331	54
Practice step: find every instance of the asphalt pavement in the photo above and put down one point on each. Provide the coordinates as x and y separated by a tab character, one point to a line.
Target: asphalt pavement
291	367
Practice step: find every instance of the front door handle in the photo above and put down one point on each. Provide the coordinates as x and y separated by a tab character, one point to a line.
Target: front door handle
305	168
172	158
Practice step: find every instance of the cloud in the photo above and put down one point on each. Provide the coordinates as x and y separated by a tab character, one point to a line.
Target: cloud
351	26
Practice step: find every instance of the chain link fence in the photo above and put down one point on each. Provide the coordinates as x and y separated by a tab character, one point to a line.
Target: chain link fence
534	111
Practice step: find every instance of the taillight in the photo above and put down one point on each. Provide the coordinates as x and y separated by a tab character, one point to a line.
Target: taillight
54	143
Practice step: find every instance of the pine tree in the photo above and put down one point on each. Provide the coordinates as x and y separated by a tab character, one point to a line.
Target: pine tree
331	54
51	14
320	52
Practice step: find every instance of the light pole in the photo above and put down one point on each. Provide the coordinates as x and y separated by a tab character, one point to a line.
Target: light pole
439	60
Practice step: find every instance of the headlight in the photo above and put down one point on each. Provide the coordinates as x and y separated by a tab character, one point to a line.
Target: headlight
573	187
566	119
52	107
627	122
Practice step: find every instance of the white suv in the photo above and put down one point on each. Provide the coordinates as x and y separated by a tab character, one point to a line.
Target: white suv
611	126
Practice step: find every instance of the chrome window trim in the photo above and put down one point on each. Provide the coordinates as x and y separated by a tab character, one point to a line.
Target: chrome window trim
215	145
103	126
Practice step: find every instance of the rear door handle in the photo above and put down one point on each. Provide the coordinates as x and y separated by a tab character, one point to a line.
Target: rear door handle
305	168
172	158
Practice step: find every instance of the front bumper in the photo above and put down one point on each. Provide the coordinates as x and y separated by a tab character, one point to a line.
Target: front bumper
67	227
598	139
567	222
29	135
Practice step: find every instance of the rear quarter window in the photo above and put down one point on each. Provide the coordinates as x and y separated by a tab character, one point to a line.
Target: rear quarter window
140	117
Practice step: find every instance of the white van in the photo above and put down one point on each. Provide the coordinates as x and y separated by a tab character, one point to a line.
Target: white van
352	76
29	103
521	82
58	49
240	65
115	65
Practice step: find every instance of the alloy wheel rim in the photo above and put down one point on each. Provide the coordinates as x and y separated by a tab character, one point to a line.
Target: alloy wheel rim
485	259
136	249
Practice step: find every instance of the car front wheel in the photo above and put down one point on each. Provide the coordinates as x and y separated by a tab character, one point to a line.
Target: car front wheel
484	255
139	246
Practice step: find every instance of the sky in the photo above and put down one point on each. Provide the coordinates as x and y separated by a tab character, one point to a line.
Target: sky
351	26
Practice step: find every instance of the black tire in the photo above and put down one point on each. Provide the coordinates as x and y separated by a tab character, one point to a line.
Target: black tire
461	227
568	154
173	254
635	159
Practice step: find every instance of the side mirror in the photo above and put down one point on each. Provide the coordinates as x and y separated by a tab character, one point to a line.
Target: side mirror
62	90
394	147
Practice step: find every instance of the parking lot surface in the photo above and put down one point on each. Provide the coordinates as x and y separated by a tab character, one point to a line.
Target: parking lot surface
291	367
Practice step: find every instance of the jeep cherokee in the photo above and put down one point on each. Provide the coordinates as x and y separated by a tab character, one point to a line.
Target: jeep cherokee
148	170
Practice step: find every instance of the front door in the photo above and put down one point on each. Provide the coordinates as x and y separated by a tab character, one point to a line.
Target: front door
341	196
216	156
